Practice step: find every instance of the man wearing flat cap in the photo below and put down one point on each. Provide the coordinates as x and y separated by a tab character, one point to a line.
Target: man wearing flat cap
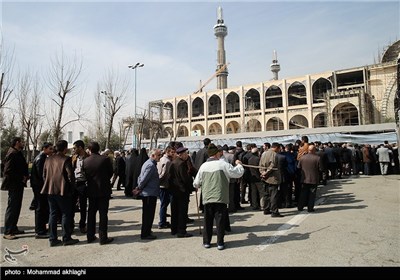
213	178
181	182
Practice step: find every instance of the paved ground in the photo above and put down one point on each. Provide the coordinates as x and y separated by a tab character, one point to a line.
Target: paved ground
356	224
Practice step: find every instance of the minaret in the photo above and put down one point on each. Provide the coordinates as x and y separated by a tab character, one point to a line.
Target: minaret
275	66
220	31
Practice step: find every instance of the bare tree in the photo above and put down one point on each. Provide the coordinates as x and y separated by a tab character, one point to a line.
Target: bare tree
100	106
62	82
114	99
156	129
29	110
6	66
128	126
141	129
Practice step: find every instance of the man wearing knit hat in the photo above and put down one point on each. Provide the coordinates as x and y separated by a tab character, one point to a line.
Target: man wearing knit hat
213	178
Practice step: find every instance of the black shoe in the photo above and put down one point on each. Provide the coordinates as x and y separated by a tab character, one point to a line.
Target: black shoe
41	236
182	235
91	239
167	215
267	212
56	242
189	221
106	241
148	237
173	232
17	231
164	226
70	242
32	207
277	215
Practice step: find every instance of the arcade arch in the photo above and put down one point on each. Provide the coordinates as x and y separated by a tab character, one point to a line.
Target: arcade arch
345	114
320	120
197	107
274	123
215	129
273	97
214	105
320	90
232	103
253	125
298	122
232	127
182	109
297	94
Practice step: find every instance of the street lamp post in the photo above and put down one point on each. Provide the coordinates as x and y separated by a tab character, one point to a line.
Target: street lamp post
134	67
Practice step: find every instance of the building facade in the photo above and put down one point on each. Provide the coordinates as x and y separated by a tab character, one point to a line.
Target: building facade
357	96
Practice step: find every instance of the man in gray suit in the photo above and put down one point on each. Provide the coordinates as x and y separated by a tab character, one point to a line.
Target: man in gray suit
271	175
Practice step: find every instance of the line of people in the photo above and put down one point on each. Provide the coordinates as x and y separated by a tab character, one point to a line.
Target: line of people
271	176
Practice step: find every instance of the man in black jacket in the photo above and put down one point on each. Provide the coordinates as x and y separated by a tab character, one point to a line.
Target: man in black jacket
16	175
37	182
98	170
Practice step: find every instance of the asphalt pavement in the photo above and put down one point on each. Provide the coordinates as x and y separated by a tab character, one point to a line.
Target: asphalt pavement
356	223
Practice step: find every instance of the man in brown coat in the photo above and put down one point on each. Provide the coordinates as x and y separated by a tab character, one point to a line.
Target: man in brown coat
310	165
59	183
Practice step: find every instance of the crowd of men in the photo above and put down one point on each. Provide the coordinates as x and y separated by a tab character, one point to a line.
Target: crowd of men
273	176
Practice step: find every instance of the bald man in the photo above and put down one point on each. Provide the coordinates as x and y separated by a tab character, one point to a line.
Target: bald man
310	167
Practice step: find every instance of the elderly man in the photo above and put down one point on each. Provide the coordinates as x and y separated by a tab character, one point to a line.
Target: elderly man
213	178
181	181
149	183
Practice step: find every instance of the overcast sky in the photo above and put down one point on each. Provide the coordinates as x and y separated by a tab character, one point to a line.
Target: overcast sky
176	42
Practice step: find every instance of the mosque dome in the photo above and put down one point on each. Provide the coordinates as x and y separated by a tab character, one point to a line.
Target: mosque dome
392	52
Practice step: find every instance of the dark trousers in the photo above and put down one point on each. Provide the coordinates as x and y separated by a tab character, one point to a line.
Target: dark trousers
179	212
271	198
231	205
307	197
41	211
13	209
148	211
217	212
121	181
236	194
100	204
60	204
165	199
81	191
297	184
